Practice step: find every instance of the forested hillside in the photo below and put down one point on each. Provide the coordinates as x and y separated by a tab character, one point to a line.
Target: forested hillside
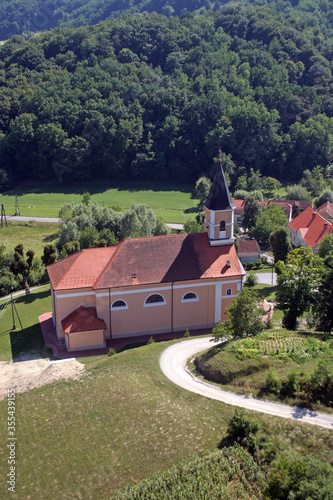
29	16
147	96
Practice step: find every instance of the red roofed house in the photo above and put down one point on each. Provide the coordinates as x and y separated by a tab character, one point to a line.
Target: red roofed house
248	251
149	285
308	229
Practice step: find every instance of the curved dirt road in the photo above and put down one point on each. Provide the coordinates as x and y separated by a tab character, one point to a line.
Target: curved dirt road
173	365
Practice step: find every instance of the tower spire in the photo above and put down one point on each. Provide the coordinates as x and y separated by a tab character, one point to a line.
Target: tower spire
219	210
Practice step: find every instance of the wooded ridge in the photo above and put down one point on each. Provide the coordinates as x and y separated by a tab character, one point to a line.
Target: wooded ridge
151	96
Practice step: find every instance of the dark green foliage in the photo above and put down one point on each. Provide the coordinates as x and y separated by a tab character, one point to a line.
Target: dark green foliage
269	220
301	478
280	243
70	247
272	382
50	255
21	266
242	428
326	195
192	226
251	280
153	97
245	317
252	210
323	305
297	284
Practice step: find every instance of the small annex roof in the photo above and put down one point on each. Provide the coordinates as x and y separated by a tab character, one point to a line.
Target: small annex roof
312	226
151	260
326	210
219	196
248	247
83	319
81	269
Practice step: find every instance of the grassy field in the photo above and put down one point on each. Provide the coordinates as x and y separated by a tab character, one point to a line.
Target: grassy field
33	235
121	421
172	201
12	343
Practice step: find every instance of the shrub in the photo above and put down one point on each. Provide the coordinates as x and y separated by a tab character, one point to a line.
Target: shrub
187	333
251	280
111	352
272	382
151	341
250	265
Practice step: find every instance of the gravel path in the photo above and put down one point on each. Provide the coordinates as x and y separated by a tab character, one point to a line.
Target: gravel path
173	365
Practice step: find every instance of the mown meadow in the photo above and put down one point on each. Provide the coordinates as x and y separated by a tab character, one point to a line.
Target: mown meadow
173	202
121	421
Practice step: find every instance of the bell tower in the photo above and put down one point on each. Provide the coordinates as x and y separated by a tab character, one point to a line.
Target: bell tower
219	211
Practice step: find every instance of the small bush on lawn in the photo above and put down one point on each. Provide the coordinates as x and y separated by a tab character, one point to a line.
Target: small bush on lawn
151	341
272	382
187	334
250	266
251	280
111	352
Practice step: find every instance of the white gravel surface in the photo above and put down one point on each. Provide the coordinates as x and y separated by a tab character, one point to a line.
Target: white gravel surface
173	365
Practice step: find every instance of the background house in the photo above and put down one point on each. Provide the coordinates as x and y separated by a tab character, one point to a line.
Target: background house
308	229
248	251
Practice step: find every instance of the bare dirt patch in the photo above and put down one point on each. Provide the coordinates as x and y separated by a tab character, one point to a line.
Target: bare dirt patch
26	375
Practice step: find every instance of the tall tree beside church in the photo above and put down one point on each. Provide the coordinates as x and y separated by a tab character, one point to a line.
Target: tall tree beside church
252	210
280	244
298	282
22	265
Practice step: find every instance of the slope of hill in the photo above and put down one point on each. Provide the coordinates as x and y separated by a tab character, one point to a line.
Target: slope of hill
18	16
145	96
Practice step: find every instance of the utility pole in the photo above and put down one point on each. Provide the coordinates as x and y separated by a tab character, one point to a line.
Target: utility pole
17	208
3	215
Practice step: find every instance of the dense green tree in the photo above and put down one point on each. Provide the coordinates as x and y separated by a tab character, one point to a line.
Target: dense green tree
244	317
202	188
280	243
325	247
21	266
298	282
270	218
49	254
88	237
323	306
326	195
252	210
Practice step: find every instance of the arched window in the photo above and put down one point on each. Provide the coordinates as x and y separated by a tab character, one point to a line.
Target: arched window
119	304
229	291
222	225
190	297
154	300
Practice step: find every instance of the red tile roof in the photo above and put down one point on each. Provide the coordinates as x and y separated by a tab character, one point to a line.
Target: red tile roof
248	247
81	269
157	259
83	319
312	226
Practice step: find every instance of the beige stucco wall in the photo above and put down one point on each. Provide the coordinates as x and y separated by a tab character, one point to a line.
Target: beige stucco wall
213	220
85	340
140	318
137	318
67	302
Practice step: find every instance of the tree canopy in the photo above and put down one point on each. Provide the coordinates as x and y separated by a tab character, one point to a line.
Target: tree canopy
154	96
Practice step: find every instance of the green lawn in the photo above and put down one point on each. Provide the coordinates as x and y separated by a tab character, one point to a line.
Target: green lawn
14	342
33	235
121	421
172	201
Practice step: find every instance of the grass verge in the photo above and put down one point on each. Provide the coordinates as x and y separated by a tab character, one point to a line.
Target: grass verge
172	201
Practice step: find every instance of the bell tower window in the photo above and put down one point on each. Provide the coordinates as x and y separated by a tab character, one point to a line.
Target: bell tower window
223	233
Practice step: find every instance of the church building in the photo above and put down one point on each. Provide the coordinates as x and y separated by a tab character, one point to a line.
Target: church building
151	285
